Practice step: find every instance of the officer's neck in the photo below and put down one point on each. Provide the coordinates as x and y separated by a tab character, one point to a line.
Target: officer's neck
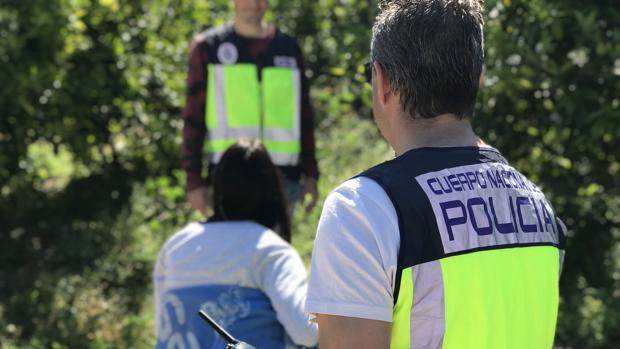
250	29
445	130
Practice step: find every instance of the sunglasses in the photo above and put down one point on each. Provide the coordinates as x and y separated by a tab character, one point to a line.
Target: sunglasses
368	67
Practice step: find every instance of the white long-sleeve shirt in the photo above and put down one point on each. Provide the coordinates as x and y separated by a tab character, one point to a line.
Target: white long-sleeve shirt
239	253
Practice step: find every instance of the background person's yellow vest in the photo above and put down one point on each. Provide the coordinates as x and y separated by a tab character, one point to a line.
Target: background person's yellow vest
243	102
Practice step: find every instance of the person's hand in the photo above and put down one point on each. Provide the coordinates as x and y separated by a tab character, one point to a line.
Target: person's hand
199	200
310	188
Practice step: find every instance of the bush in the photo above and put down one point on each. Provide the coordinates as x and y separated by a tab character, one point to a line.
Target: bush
90	185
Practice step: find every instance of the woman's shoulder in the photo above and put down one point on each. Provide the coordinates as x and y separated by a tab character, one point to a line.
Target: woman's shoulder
247	230
238	233
191	230
262	239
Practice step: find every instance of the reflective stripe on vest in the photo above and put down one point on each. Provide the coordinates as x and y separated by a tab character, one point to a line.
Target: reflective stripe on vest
239	106
401	326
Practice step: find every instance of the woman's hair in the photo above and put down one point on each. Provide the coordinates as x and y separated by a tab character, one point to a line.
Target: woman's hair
247	186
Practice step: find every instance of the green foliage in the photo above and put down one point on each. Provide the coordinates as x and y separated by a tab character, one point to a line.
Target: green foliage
550	104
90	125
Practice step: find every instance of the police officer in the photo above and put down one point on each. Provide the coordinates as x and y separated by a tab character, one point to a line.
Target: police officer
447	245
246	80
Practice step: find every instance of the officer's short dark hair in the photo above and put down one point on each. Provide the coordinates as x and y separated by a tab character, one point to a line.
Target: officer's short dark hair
432	53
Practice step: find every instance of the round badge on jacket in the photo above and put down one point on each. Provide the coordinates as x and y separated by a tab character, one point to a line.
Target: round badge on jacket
227	53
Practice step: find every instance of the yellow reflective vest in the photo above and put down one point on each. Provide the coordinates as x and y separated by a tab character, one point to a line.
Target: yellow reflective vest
245	101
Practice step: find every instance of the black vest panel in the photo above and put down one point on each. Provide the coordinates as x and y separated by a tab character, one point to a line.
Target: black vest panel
282	45
420	241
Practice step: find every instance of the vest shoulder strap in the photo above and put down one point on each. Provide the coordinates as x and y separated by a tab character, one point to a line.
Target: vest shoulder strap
285	44
282	44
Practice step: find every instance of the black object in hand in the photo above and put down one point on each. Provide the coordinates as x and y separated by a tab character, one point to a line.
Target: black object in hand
232	342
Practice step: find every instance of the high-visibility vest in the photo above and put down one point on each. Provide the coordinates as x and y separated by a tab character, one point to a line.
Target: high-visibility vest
245	102
480	252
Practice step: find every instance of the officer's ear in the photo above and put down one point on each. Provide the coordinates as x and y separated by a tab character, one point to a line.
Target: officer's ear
382	84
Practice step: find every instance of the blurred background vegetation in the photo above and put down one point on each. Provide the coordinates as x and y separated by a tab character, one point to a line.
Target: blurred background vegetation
90	182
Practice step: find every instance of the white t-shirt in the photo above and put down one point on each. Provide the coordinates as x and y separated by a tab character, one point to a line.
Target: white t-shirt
356	251
244	254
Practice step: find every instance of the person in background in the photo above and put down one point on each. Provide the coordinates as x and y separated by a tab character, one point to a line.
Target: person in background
447	245
238	267
246	79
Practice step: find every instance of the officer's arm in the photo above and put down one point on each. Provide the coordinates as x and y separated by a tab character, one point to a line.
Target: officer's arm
341	332
194	127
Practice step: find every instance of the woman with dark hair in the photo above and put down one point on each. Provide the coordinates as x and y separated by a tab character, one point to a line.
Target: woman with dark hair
247	186
239	266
